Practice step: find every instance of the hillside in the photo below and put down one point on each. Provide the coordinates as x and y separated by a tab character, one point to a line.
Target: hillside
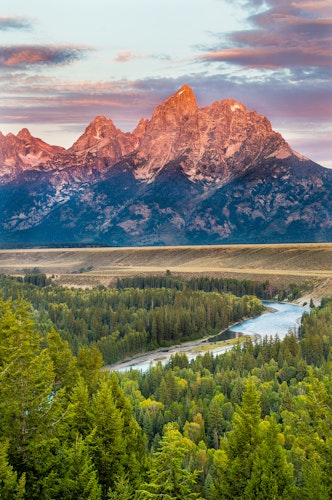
92	266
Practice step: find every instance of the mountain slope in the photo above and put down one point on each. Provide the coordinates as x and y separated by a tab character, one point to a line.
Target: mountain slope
189	175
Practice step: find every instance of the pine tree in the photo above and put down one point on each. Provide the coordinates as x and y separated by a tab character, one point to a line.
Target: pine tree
64	362
90	362
27	374
107	446
234	462
272	476
81	408
11	488
75	476
170	476
122	490
134	443
215	421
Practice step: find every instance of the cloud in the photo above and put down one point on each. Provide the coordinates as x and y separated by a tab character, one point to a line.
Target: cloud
323	7
14	23
51	101
124	100
23	56
124	56
285	35
272	57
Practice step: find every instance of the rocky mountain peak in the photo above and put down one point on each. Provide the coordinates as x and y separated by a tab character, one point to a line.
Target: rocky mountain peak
212	144
24	134
183	100
100	147
102	126
159	144
176	109
234	106
99	129
23	152
140	128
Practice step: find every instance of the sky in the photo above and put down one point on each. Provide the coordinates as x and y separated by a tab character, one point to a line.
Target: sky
65	62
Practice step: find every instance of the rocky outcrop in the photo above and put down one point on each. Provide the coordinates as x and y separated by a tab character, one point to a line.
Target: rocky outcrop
102	139
213	144
218	174
23	152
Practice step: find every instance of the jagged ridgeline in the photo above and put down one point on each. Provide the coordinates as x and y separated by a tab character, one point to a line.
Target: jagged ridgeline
189	175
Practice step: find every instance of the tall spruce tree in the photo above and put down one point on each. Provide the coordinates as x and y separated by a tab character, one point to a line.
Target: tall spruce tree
234	461
26	401
169	475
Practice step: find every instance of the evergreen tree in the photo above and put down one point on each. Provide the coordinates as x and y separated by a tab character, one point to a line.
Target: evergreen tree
215	421
75	476
26	403
90	362
11	488
169	475
106	439
271	476
64	362
122	490
234	461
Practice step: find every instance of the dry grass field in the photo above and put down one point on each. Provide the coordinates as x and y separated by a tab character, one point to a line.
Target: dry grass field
281	264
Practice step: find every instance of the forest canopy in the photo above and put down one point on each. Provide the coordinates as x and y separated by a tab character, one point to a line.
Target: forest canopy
253	423
125	321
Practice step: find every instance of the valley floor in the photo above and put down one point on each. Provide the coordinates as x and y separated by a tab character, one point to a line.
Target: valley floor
306	264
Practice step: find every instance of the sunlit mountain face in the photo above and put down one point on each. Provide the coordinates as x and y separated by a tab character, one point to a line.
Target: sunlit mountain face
189	175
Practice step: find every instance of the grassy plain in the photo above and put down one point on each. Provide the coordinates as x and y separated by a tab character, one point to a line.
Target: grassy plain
86	267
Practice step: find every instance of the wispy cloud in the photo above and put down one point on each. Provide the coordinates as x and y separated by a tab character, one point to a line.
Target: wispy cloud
124	56
285	35
22	56
123	100
47	100
15	23
272	57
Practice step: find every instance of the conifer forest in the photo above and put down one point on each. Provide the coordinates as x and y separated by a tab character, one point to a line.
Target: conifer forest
254	423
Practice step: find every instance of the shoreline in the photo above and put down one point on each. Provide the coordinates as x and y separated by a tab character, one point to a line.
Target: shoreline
189	348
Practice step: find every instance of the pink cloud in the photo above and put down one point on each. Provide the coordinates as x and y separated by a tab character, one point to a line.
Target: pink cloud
322	7
287	34
14	23
30	55
272	57
124	56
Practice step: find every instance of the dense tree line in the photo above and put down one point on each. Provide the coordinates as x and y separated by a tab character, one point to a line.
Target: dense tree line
127	321
263	290
254	423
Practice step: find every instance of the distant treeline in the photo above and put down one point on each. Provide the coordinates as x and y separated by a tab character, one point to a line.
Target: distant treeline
263	290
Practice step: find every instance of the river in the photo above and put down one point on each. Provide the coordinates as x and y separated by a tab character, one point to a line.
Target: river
281	318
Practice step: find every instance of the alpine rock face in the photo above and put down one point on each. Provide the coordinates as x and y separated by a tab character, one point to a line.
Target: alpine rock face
189	175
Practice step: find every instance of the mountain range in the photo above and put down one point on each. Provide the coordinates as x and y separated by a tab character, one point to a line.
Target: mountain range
188	175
